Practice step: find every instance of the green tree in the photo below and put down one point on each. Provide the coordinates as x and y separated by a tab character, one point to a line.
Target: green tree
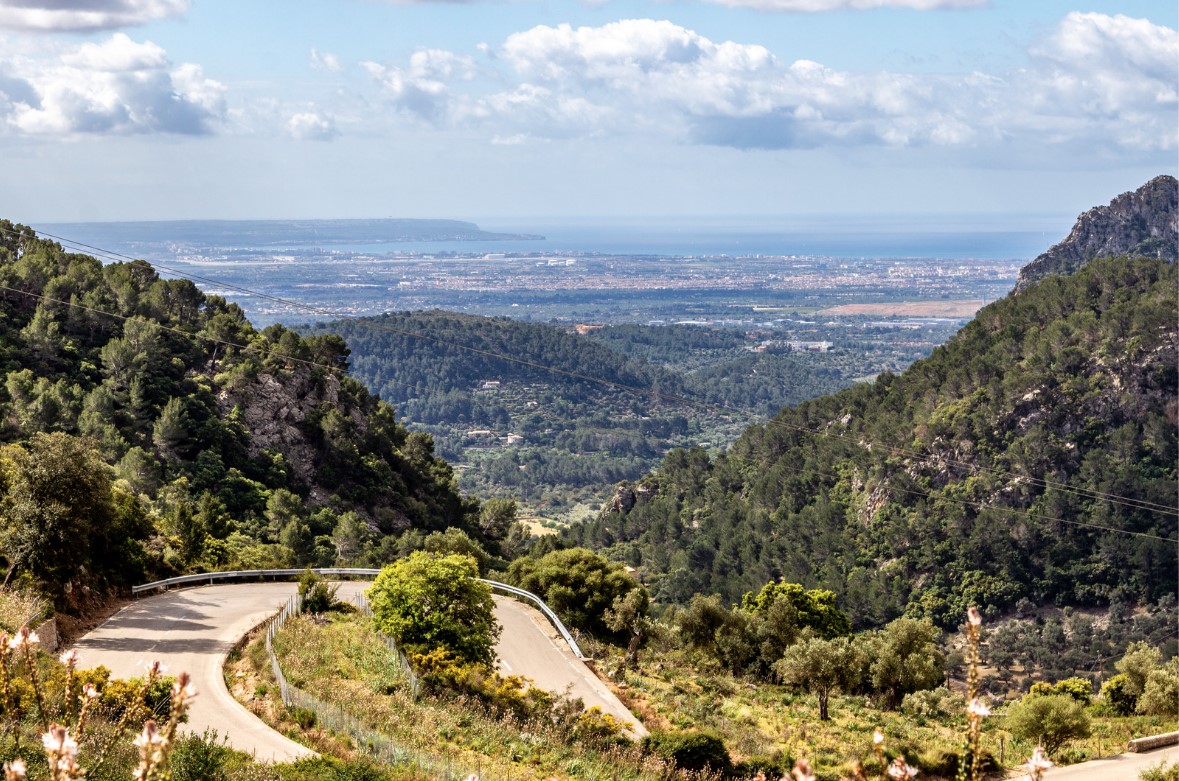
578	584
1050	721
905	658
428	601
58	509
1160	695
814	609
1139	661
496	516
821	667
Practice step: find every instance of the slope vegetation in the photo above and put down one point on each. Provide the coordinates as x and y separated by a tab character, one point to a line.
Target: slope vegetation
1027	458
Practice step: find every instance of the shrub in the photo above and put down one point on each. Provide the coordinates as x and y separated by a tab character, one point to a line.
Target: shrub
318	595
931	703
1080	689
1160	697
1050	720
1117	695
200	757
694	751
943	763
1161	772
304	717
429	601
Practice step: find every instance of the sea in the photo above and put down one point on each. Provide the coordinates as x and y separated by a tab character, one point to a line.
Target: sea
836	238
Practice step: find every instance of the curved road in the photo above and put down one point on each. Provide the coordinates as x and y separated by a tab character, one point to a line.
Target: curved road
194	629
1123	767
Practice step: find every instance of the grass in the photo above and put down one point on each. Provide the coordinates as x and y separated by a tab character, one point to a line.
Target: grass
340	661
20	607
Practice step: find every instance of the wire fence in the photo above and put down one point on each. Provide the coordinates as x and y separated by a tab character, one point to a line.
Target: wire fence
376	745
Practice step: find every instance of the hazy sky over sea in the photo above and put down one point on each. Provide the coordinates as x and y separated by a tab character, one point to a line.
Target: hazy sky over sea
506	110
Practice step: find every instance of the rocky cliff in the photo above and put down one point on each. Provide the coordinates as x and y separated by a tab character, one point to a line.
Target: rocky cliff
1140	223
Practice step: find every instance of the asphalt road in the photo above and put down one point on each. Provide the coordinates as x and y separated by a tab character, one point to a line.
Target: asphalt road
1124	767
194	629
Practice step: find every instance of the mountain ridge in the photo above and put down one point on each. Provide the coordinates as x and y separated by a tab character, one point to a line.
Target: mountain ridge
1140	222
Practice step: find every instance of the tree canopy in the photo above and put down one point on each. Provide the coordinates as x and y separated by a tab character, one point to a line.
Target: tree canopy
428	601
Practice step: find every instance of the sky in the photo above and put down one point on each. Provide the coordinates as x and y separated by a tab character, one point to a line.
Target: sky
989	113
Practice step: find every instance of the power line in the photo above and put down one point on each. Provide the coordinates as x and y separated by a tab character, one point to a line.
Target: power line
658	395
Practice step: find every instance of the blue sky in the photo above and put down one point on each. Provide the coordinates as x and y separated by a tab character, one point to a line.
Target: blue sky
505	111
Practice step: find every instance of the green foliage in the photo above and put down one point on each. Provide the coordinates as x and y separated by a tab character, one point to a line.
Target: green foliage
580	585
1067	382
700	751
200	757
1139	661
60	515
428	601
1116	694
821	666
178	414
1160	696
904	658
1161	772
1080	689
318	595
931	703
1050	721
812	609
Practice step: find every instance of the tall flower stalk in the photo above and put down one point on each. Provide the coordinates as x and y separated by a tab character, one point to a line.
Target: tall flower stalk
976	711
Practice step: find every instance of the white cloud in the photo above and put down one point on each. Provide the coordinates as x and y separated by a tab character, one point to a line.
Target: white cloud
85	15
118	86
422	87
325	61
312	126
1096	82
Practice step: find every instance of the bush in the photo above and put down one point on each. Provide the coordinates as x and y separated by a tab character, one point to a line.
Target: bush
1080	689
694	751
943	763
932	703
1117	696
200	757
1161	772
304	717
428	601
318	595
769	765
1051	720
1160	697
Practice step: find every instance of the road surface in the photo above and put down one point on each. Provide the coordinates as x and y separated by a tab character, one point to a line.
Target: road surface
1124	767
194	629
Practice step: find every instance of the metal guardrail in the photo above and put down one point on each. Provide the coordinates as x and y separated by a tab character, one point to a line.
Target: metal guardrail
355	572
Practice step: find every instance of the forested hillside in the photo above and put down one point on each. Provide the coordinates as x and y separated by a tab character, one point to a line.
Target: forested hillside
1032	457
145	417
552	425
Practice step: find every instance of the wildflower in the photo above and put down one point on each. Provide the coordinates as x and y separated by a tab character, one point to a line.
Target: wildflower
69	658
473	777
901	770
58	741
973	616
155	668
23	639
88	692
1038	762
877	737
978	709
183	691
15	770
802	771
